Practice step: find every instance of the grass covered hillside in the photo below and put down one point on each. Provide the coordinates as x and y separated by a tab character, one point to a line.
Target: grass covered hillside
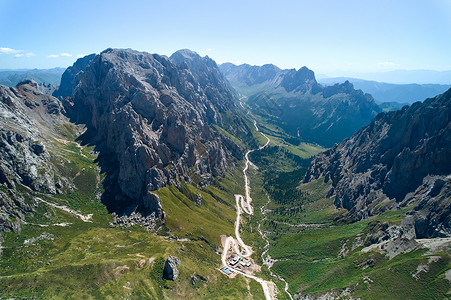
69	245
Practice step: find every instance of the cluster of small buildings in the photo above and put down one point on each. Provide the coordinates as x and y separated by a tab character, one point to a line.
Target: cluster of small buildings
236	260
236	263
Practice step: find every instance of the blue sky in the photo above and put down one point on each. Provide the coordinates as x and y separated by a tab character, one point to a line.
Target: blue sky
327	36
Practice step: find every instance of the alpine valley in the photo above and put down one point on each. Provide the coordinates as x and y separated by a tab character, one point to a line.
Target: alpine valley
142	176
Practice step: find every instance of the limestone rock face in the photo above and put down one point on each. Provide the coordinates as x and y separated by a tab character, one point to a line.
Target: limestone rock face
170	271
400	158
152	203
71	76
24	112
206	72
151	119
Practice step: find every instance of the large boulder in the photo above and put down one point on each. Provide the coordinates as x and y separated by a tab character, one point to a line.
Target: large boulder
170	271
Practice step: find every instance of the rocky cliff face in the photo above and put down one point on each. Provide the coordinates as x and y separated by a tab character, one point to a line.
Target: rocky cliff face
150	118
400	159
294	101
27	118
71	77
209	77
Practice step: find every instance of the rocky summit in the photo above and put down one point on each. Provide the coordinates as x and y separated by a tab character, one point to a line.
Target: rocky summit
401	159
151	118
291	80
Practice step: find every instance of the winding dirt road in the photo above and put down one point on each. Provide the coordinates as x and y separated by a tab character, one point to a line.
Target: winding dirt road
237	244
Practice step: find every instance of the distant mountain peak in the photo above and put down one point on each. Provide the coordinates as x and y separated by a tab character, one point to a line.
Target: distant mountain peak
390	92
271	66
187	53
302	80
324	115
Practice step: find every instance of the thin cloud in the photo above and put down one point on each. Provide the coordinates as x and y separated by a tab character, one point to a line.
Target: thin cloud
29	54
9	51
81	55
59	55
15	52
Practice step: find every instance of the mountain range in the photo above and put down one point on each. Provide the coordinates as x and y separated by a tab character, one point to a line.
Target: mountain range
132	169
294	101
404	76
42	76
390	92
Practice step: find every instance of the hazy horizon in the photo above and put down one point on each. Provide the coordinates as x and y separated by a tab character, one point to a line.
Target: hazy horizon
393	76
326	36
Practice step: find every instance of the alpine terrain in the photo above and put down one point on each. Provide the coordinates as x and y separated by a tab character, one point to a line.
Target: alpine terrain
143	176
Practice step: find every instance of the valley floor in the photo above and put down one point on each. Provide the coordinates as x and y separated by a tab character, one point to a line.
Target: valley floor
68	249
232	253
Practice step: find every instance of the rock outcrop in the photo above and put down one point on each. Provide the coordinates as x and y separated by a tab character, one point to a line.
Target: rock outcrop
151	119
171	271
402	158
